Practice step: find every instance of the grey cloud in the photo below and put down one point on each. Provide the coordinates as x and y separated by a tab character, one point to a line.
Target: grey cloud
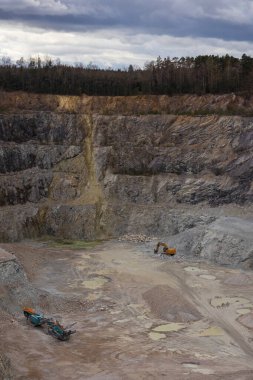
226	19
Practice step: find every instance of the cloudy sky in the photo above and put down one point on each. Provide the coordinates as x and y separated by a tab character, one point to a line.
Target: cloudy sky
119	32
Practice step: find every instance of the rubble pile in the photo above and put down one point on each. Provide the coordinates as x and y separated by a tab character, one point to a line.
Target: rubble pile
140	238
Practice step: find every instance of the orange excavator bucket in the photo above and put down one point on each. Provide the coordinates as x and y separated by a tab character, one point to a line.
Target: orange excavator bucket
29	310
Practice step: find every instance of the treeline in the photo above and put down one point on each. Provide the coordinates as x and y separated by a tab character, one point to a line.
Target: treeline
198	75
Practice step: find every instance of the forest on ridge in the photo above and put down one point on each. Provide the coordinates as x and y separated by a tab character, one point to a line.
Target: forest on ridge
197	75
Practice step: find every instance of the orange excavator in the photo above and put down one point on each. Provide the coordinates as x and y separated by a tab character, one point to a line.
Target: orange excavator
166	250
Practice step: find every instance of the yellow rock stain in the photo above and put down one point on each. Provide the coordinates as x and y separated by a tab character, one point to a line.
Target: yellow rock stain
194	269
95	283
226	301
170	327
156	336
243	311
212	331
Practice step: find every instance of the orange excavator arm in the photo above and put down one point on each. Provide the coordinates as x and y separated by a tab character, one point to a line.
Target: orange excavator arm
160	244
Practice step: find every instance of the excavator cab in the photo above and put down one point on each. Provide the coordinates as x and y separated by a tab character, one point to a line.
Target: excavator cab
166	250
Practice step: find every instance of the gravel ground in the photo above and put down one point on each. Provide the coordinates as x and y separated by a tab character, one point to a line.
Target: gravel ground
137	316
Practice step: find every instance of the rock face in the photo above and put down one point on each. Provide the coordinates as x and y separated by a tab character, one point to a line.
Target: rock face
176	159
93	167
15	287
226	240
229	240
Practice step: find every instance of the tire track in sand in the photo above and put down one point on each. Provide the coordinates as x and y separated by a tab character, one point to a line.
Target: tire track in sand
218	316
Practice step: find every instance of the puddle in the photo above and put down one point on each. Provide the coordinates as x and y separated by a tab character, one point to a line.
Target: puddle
190	365
204	356
243	311
135	306
212	331
148	325
103	272
156	336
94	296
204	371
122	321
170	327
95	283
115	312
174	351
86	256
144	318
195	368
81	266
194	269
226	301
126	338
207	277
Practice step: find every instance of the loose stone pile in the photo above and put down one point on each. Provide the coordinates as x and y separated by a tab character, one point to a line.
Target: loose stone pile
137	238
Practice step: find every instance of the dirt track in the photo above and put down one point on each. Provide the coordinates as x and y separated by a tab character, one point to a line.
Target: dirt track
138	317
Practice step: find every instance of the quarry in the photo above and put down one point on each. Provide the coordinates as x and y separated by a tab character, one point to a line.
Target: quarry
88	186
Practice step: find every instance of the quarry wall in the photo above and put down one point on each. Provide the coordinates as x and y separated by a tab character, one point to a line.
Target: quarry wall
97	167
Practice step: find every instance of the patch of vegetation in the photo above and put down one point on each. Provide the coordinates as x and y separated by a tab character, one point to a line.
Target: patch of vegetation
74	244
69	243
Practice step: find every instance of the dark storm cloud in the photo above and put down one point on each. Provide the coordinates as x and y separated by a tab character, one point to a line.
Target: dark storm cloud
220	29
59	22
229	20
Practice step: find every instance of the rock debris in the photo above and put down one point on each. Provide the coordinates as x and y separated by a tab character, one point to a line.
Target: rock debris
140	238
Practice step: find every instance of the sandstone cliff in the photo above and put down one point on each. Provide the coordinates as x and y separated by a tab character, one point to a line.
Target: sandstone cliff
95	167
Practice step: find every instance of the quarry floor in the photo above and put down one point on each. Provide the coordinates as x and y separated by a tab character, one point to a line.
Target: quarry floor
137	316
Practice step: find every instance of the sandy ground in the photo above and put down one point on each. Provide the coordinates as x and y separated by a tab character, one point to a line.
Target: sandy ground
138	317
